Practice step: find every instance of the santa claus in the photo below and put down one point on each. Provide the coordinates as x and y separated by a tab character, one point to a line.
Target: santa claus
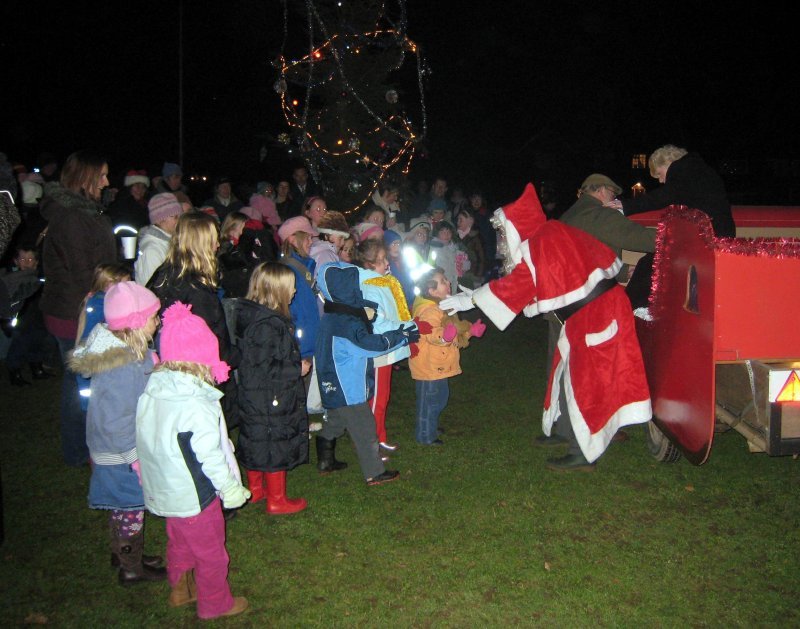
597	381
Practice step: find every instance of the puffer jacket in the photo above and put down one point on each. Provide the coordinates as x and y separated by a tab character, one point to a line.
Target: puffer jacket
118	379
273	423
79	237
183	446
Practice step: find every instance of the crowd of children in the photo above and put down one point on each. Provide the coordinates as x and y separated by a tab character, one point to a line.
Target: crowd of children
212	330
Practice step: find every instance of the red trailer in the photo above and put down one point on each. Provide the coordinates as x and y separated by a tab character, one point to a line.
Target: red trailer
722	348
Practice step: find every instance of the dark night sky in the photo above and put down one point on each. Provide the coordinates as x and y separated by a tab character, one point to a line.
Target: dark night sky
518	91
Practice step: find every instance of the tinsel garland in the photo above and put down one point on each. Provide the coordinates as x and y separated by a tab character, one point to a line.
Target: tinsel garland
393	284
764	247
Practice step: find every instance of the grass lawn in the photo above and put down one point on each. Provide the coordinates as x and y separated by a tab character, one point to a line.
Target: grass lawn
475	534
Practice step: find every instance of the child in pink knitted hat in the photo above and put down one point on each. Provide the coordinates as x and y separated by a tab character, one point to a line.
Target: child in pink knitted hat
117	357
188	463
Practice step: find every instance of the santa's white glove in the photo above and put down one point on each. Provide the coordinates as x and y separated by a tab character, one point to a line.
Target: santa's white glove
459	302
235	496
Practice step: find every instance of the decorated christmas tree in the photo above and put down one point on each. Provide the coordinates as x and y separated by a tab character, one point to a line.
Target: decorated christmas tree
350	84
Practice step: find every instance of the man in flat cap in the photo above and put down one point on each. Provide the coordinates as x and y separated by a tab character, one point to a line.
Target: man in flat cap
592	214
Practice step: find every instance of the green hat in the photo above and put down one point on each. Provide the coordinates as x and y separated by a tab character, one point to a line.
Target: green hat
597	179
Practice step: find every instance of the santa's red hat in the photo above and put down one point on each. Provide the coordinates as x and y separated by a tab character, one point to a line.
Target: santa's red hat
525	214
518	221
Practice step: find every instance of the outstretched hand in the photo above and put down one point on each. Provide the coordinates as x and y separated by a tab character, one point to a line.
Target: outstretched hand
459	302
477	329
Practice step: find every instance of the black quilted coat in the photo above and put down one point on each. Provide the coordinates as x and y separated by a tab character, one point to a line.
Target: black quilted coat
273	423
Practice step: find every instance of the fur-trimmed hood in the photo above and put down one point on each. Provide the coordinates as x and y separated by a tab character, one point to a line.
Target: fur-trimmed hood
57	199
102	351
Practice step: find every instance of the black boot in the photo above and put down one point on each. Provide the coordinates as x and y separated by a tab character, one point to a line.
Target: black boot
16	379
326	456
38	372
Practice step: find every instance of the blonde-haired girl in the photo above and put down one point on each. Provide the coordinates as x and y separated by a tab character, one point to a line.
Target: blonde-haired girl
117	358
189	275
232	227
273	424
192	250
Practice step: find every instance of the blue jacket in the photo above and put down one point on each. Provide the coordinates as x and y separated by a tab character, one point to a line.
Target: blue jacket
303	307
345	342
94	315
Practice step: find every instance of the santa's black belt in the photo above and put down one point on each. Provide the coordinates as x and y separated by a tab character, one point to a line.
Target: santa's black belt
567	311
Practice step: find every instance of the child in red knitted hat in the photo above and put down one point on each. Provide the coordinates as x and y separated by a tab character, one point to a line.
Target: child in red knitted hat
188	464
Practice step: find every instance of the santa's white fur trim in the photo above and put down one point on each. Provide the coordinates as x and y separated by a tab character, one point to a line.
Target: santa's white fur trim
592	445
513	241
594	339
500	314
595	277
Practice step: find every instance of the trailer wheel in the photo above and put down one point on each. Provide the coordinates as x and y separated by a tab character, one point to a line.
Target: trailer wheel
659	446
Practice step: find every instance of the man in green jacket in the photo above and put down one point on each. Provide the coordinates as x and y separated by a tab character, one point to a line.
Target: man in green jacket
608	225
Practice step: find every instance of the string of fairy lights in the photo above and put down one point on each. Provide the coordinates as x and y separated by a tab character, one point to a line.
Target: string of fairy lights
343	128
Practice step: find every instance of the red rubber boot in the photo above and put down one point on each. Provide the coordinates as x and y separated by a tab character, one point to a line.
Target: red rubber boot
277	502
255	483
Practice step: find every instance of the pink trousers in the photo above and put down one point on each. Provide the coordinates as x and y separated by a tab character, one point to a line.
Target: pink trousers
198	543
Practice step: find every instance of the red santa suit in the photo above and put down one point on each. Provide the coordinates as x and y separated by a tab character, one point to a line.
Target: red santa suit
560	268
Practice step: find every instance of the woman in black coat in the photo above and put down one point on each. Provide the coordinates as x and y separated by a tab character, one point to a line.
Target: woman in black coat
687	180
273	429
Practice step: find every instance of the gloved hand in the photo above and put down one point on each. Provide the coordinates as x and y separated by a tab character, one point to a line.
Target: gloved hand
459	302
235	496
408	334
449	332
423	326
477	329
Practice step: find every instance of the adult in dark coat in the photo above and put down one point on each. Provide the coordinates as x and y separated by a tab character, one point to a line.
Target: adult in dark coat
224	201
130	206
79	237
301	188
689	181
